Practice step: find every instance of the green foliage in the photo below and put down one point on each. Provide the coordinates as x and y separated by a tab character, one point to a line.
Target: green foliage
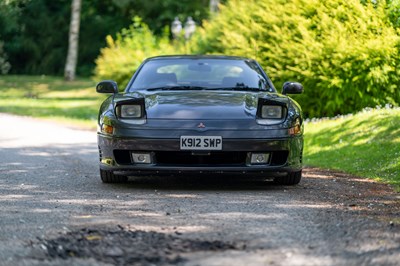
122	56
365	144
35	34
393	12
345	53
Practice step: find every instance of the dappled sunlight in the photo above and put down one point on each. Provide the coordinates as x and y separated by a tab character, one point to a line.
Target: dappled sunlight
300	205
243	215
179	196
144	214
17	171
294	256
201	212
335	174
98	202
40	154
11	197
170	229
42	210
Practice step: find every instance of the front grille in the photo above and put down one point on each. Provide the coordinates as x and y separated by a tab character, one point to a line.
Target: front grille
122	157
279	158
213	158
100	154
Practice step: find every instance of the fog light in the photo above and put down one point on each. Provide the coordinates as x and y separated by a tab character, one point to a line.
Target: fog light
259	158
141	157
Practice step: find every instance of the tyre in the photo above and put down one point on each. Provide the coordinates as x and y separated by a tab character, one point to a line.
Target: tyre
292	178
109	177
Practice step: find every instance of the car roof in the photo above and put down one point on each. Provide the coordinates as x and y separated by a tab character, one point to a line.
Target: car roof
228	57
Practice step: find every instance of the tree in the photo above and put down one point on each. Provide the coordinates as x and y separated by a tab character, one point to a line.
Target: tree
4	65
36	45
214	6
73	44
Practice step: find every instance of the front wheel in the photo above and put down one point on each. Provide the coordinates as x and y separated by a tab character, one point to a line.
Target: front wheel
110	177
292	178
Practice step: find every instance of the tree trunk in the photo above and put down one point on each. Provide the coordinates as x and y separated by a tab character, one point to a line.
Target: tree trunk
72	57
214	6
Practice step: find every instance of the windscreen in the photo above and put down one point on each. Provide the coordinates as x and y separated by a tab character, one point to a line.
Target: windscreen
202	73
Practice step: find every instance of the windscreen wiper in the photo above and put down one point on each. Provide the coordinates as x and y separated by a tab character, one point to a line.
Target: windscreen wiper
239	88
171	88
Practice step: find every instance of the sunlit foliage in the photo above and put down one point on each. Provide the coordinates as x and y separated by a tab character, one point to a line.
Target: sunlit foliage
123	55
345	53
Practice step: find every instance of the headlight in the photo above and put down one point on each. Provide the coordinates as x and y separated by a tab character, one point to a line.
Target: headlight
130	111
271	112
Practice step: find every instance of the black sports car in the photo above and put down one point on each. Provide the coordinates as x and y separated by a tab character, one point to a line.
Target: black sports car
200	115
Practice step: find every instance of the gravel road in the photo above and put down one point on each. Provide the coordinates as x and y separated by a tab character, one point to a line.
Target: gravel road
54	210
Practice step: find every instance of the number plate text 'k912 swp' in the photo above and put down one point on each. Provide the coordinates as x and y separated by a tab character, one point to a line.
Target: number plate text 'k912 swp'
201	143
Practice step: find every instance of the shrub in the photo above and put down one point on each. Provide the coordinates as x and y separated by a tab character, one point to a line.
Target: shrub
345	53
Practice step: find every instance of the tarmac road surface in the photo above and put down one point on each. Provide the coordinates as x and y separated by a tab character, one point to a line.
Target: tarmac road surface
54	210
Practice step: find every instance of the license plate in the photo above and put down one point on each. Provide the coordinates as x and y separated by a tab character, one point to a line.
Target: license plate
201	143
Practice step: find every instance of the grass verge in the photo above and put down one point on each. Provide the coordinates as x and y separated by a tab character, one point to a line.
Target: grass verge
74	103
365	144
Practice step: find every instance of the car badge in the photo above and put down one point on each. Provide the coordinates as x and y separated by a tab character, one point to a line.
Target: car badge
201	125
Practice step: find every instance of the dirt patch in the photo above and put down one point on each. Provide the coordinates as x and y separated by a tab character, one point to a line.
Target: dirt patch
354	194
124	247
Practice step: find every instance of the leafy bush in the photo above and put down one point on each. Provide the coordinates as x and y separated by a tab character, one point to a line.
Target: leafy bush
345	53
393	11
122	56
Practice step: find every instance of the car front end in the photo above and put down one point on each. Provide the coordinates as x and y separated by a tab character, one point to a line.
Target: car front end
200	131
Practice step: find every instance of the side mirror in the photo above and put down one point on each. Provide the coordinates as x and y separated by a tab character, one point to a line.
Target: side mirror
107	86
290	87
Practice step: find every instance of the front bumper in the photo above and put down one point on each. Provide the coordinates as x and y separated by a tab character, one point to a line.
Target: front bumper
168	159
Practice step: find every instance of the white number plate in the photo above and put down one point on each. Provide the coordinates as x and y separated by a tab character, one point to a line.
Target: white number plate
201	143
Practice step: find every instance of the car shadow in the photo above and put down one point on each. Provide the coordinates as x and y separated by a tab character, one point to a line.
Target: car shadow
201	183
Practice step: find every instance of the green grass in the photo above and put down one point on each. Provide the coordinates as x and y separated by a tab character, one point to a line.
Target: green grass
366	144
53	98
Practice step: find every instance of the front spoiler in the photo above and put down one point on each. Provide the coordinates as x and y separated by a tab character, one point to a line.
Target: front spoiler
294	145
169	171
